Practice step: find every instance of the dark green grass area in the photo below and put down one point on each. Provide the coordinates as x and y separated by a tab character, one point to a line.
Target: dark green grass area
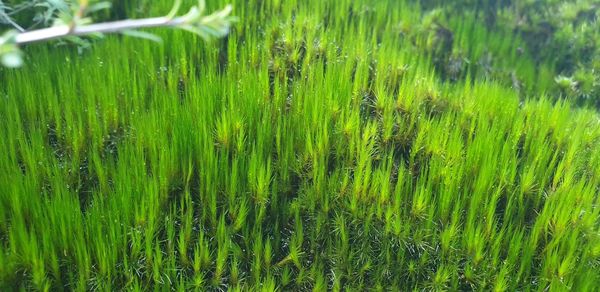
323	145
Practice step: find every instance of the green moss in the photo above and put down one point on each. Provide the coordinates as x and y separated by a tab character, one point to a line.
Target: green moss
322	145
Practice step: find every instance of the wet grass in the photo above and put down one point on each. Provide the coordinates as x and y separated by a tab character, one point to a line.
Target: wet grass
322	145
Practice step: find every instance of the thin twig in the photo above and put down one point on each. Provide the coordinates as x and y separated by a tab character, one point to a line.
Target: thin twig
51	33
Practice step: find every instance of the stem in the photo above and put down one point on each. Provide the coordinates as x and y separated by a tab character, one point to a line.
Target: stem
14	24
50	33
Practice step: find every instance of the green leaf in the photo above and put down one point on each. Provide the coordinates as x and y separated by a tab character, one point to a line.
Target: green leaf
175	9
13	59
216	24
142	35
98	6
10	54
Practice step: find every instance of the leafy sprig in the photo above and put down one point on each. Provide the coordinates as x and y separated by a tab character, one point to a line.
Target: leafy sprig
77	22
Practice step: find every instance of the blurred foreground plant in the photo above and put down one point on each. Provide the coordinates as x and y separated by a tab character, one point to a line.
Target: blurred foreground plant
72	20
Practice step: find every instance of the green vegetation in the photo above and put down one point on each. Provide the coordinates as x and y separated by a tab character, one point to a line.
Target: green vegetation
343	145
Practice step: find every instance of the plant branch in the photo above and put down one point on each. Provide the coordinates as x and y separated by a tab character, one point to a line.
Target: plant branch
206	26
55	32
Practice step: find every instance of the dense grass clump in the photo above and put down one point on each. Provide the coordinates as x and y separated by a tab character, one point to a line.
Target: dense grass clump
324	145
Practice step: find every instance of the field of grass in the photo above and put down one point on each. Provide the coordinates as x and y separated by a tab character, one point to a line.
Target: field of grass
343	145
